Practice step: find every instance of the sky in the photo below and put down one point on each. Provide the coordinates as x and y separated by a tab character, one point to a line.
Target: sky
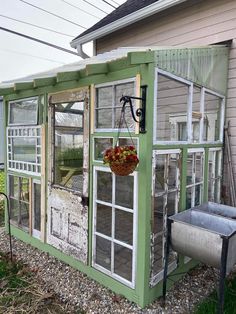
20	57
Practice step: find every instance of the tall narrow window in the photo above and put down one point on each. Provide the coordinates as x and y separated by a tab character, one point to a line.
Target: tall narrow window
114	225
36	209
195	178
166	188
19	201
215	175
68	141
172	108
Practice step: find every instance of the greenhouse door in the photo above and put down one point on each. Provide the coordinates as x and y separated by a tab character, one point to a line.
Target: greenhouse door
67	225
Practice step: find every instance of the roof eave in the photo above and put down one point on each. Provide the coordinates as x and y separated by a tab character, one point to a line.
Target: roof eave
143	13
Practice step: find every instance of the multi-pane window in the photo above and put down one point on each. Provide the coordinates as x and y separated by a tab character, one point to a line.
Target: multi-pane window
24	149
195	178
184	112
172	107
114	224
166	189
19	201
215	175
23	112
68	145
108	106
25	203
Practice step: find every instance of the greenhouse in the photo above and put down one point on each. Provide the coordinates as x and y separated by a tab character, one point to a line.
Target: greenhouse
167	103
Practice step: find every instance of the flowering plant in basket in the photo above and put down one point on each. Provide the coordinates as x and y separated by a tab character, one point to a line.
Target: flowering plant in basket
122	159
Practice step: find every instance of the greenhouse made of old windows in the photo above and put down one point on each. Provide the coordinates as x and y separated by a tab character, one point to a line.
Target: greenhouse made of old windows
66	201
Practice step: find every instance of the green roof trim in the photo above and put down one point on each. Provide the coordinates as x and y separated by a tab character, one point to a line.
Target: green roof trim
23	86
40	82
68	76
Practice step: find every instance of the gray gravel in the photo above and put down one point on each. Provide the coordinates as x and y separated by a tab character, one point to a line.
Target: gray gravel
77	289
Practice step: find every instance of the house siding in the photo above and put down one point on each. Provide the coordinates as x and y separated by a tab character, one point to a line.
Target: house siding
193	24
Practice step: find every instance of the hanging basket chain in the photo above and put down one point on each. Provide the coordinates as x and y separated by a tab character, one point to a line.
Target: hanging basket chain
121	121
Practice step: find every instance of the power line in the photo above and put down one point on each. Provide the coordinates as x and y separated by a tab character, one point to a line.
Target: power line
46	11
111	5
74	6
39	41
29	55
34	25
93	5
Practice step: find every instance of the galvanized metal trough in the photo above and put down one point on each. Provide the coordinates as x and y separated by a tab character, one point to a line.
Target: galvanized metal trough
206	233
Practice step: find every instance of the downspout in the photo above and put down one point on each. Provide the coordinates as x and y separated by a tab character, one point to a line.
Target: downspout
81	53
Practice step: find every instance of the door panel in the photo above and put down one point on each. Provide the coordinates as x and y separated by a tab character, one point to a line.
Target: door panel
67	227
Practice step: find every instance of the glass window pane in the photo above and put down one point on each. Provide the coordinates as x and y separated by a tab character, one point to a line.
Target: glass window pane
123	262
104	118
103	252
23	111
128	142
100	145
124	191
124	226
14	186
212	116
196	114
24	149
104	186
159	174
68	149
104	97
172	108
66	119
104	219
37	207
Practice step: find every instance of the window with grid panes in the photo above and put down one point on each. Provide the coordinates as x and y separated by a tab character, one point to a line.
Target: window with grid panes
108	106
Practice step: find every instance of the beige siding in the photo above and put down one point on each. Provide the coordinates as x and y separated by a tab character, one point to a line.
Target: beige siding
190	24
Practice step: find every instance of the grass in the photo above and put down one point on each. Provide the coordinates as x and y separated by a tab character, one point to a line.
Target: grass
210	307
21	293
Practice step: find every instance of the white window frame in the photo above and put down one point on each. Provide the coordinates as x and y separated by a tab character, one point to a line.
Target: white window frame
112	239
155	278
35	233
24	166
193	183
136	139
216	180
188	116
189	106
20	100
222	112
111	84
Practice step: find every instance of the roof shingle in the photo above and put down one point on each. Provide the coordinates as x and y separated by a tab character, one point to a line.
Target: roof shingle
126	8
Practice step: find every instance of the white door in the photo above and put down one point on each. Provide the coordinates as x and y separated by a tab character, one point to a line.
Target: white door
67	224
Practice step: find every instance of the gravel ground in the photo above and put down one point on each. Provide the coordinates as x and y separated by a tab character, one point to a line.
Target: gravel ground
77	289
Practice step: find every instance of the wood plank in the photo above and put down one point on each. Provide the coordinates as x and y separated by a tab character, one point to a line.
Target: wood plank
31	206
43	185
23	86
46	81
99	68
68	76
92	108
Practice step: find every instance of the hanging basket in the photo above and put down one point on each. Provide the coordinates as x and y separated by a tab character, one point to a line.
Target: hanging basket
122	159
123	169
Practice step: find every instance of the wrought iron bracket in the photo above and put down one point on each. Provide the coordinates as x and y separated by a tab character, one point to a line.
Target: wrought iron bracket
140	112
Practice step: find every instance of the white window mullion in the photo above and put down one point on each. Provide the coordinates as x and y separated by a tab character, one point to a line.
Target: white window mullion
189	119
201	129
113	223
